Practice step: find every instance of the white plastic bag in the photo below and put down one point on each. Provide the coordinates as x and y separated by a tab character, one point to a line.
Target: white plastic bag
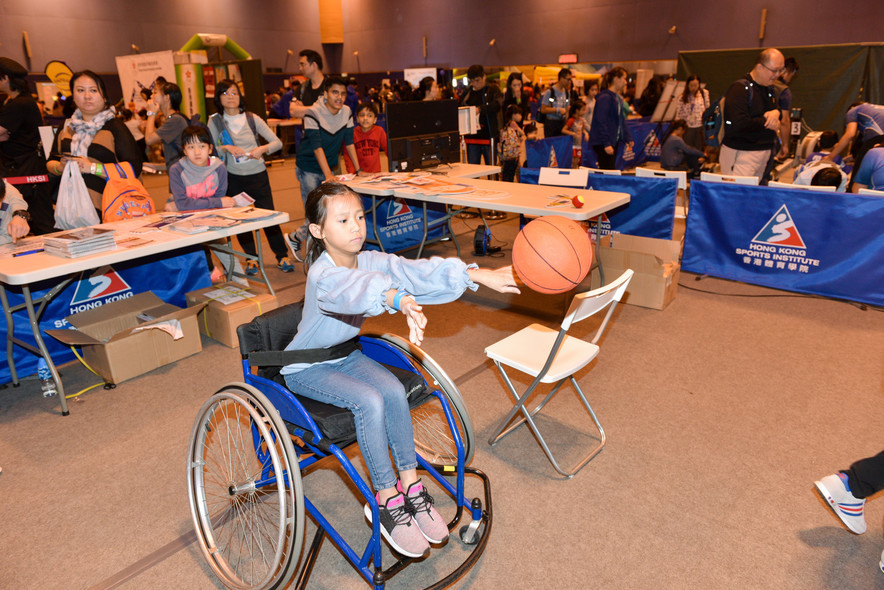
74	207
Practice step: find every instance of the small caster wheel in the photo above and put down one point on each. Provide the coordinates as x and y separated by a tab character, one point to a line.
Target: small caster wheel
110	386
469	537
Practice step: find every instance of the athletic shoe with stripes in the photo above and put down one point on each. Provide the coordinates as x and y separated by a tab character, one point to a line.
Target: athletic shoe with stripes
399	529
295	244
836	492
420	504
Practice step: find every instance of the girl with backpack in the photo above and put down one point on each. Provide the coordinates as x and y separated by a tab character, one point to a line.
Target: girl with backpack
692	103
236	134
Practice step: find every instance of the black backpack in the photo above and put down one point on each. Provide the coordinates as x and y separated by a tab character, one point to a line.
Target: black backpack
714	115
712	118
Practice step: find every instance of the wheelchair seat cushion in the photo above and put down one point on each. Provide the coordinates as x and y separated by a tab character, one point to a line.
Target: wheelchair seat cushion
273	331
337	424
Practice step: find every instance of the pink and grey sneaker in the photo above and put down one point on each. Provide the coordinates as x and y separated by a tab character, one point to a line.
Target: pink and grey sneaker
420	503
836	492
399	529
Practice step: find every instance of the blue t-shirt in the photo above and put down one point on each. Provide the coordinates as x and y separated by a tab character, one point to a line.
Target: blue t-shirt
871	171
869	119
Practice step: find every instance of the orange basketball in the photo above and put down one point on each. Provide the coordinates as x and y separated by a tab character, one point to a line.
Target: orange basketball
552	254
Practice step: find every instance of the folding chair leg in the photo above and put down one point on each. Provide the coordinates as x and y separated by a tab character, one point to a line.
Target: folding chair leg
528	417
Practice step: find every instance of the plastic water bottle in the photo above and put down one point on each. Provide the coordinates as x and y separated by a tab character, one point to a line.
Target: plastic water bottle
47	383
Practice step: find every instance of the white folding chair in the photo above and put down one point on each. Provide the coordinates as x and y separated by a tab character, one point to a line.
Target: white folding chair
680	175
747	180
871	192
600	171
563	177
810	187
551	356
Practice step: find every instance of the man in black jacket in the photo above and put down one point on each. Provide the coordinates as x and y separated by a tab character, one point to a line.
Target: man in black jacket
752	118
488	100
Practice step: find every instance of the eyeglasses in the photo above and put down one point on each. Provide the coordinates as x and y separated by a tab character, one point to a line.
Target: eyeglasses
230	93
778	71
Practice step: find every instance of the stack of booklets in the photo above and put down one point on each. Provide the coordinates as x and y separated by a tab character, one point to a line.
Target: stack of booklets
80	242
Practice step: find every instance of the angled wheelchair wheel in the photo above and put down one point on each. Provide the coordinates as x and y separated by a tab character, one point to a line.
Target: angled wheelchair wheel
245	490
432	435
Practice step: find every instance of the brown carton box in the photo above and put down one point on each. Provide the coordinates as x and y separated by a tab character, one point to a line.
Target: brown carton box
112	347
227	306
655	263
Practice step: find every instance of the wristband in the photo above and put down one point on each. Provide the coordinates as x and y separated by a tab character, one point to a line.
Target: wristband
398	298
151	114
97	169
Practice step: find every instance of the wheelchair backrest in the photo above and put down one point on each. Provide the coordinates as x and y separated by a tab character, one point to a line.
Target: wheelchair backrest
273	330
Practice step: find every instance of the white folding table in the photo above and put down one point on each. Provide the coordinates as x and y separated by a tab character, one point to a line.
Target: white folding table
33	268
526	199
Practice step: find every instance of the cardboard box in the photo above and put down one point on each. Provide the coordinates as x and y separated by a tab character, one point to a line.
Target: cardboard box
115	351
655	263
228	306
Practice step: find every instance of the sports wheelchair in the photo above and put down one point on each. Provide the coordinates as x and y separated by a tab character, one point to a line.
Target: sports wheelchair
253	441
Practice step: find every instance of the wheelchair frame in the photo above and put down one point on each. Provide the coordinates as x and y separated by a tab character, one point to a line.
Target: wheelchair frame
273	416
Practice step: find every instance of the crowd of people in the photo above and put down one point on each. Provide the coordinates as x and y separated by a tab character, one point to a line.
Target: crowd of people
211	164
343	125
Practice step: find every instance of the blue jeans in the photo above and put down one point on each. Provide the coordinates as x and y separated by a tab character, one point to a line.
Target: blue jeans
308	182
377	400
476	151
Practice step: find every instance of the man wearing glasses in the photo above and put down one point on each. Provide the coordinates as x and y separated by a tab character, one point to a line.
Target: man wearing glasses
752	118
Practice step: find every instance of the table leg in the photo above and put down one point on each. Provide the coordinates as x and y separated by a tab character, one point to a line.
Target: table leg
426	231
229	249
374	222
10	335
597	261
34	318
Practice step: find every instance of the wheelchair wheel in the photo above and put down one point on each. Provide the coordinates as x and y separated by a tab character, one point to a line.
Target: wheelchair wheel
432	435
245	490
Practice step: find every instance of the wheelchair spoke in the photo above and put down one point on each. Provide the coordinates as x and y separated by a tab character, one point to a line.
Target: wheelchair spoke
246	532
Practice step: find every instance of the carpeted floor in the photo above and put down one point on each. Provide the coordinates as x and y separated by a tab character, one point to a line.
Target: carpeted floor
720	413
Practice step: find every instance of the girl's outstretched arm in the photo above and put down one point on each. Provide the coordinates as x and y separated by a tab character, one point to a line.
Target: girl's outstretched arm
500	279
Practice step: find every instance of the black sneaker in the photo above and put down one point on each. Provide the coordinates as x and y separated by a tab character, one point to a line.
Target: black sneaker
399	529
295	244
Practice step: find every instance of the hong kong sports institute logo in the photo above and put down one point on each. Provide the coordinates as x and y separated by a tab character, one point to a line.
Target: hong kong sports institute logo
105	285
398	207
780	230
778	246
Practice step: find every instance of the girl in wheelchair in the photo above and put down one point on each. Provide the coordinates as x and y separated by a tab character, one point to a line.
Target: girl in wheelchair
344	286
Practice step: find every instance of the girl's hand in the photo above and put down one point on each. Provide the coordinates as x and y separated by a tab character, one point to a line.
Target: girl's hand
501	280
415	317
227	202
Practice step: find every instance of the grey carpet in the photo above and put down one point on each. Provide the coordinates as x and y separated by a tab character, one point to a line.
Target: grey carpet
720	413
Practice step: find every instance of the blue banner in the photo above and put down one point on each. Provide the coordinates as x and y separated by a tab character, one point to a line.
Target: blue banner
400	222
650	212
169	277
552	152
647	138
827	244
